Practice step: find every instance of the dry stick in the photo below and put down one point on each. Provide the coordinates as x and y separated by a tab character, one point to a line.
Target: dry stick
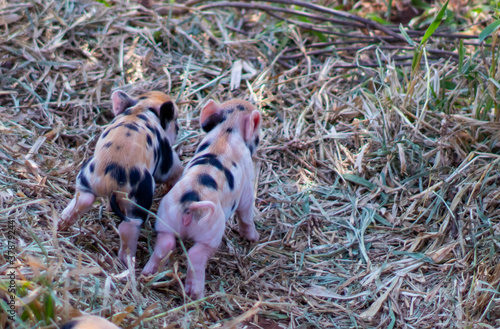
355	66
326	51
445	35
388	47
271	8
326	44
366	22
313	27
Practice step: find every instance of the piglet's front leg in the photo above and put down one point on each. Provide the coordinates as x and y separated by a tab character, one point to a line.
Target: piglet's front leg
195	279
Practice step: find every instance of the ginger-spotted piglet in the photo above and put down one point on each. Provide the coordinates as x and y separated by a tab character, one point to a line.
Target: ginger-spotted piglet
134	149
217	182
89	322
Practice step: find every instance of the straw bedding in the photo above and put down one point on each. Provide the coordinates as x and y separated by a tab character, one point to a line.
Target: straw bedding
377	187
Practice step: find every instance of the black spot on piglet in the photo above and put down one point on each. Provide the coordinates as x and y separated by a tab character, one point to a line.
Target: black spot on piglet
167	112
106	132
212	121
203	147
70	325
143	196
132	126
229	177
142	117
190	196
208	181
84	182
134	176
117	172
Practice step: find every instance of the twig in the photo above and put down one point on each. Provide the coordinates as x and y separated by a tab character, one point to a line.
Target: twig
348	16
329	51
271	8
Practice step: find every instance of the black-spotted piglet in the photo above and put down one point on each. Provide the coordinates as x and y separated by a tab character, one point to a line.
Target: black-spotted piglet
217	182
134	151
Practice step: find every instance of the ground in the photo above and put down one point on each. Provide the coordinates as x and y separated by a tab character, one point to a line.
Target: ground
377	180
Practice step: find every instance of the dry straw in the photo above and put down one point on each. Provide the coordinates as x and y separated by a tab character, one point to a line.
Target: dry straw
377	188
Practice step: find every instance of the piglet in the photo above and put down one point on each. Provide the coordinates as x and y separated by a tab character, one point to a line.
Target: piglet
89	322
134	151
217	182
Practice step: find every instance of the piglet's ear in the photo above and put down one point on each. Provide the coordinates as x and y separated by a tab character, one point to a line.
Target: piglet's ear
251	125
167	113
121	101
211	115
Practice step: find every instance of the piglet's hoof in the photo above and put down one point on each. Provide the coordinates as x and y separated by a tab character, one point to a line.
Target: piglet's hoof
251	235
193	290
148	271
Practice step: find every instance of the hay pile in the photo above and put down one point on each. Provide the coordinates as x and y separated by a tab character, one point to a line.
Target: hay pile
377	188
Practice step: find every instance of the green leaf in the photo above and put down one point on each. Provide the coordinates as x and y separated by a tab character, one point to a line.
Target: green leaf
489	30
420	4
382	220
407	37
494	82
414	255
378	19
49	308
104	2
417	56
275	315
461	55
319	35
360	181
435	23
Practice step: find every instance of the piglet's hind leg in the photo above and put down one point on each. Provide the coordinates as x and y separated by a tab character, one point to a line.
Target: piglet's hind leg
80	204
245	216
130	228
164	244
129	235
195	279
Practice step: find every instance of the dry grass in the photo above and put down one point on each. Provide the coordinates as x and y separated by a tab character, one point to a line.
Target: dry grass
377	191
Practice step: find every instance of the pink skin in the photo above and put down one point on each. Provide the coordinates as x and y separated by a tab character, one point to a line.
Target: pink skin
165	243
80	204
204	221
245	215
129	236
198	255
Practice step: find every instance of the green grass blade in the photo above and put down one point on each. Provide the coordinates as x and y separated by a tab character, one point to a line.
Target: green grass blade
461	55
359	180
489	30
407	37
435	24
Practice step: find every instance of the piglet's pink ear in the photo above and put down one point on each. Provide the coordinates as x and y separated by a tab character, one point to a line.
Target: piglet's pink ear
121	101
251	125
211	115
